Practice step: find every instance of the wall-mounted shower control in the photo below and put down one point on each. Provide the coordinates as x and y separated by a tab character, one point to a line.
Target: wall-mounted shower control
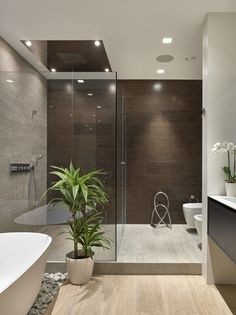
19	168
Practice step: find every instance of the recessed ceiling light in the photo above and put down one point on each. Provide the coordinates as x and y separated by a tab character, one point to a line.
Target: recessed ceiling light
94	115
90	94
166	40
191	58
157	86
9	81
107	69
99	120
160	71
99	106
28	43
80	81
53	70
112	87
97	43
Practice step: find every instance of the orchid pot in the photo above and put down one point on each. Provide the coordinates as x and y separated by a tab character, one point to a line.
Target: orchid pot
230	169
230	189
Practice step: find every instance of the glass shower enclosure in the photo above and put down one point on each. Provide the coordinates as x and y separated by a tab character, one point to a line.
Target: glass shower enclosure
80	118
62	107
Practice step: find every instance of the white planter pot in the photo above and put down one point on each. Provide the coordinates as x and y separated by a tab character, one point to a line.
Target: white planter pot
230	189
79	270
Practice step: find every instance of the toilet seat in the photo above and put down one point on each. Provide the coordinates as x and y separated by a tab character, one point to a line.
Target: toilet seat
195	205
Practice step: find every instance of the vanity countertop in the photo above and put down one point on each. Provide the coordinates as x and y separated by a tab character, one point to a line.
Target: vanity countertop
225	200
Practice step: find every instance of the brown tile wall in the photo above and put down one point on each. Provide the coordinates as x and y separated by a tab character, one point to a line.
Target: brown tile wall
163	139
164	143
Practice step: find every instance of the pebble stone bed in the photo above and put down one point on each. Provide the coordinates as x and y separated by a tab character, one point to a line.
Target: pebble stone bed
50	286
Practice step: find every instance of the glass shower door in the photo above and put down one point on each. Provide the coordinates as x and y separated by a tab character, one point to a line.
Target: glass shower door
94	140
121	170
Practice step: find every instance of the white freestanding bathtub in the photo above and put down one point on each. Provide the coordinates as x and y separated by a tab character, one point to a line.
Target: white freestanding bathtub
23	259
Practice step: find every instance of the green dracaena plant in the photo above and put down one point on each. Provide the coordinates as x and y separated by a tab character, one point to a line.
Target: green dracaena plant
79	192
87	232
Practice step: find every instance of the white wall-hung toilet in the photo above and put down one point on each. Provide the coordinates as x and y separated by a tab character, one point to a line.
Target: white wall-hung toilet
198	224
190	210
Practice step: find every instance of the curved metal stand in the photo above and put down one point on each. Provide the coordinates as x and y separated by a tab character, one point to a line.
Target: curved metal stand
164	219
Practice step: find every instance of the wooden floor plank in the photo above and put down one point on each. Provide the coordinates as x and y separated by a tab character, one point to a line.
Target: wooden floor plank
141	295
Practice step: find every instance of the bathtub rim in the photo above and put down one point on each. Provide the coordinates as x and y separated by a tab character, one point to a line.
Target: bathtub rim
48	242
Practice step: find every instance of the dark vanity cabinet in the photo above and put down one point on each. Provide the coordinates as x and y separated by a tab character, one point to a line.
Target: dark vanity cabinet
222	227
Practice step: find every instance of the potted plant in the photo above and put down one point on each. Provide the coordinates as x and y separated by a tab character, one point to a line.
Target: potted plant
230	169
82	194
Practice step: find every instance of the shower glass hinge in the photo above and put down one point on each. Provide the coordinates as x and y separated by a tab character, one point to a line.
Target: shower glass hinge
203	112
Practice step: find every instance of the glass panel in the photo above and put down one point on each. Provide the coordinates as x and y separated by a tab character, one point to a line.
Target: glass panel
121	169
94	140
59	153
82	129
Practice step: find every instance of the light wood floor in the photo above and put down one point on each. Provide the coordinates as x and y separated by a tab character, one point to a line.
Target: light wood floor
141	295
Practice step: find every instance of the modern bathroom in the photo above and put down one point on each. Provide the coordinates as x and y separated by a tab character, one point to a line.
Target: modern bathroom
134	130
109	171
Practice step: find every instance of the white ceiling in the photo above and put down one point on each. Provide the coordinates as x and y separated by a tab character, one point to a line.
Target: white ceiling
131	30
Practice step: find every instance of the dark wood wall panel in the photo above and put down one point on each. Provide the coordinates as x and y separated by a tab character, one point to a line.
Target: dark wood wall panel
164	143
77	55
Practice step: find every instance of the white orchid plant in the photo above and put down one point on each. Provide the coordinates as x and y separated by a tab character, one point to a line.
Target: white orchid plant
230	149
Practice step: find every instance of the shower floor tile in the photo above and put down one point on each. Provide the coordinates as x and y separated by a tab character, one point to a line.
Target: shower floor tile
61	245
142	243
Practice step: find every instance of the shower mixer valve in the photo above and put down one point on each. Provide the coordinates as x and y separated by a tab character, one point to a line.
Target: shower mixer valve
19	168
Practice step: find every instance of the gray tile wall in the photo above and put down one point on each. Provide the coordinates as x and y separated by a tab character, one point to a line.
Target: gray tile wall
22	136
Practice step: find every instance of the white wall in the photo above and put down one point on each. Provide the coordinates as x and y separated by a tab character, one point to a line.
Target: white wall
219	124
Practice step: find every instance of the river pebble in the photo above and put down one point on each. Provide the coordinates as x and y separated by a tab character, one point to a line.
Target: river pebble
49	288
